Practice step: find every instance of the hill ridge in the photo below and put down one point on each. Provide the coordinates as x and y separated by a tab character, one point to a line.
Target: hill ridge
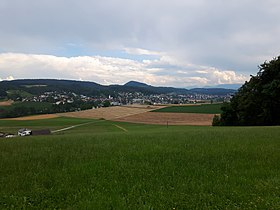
39	86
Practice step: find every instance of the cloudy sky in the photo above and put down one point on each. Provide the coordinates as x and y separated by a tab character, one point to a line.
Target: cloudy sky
180	43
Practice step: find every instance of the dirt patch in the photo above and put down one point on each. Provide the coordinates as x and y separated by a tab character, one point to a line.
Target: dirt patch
170	118
6	103
110	113
35	117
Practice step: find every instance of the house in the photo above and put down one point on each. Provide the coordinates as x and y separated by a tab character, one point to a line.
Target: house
24	132
137	101
114	103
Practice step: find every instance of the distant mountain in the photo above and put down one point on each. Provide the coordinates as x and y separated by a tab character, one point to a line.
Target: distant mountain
39	86
213	91
208	91
226	86
136	84
156	90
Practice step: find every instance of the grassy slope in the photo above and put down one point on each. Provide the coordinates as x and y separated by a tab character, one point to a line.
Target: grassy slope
20	93
180	167
36	105
203	109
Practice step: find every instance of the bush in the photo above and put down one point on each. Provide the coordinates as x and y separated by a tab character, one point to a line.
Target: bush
216	120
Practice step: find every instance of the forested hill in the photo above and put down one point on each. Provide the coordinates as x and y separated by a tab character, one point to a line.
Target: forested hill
39	86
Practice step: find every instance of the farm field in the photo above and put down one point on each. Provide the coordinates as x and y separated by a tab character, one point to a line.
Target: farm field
34	117
119	165
6	102
40	106
110	113
144	114
202	108
164	118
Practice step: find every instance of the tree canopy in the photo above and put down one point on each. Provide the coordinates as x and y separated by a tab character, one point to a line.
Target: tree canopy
257	102
3	93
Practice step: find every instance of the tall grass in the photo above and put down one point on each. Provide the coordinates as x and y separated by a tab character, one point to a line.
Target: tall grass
145	168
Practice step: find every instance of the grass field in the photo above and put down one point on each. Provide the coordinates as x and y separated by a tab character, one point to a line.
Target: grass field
203	109
35	105
117	165
20	93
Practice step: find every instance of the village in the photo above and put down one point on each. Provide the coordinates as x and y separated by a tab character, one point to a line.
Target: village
125	98
62	101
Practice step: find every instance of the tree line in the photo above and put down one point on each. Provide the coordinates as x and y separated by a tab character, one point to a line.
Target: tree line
257	102
25	109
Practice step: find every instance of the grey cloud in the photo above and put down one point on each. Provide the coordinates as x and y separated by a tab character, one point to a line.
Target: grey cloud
235	35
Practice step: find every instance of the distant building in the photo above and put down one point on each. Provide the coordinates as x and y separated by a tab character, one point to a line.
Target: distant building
24	132
137	101
114	103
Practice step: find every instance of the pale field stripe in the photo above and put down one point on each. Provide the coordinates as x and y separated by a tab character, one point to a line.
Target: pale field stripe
120	127
75	126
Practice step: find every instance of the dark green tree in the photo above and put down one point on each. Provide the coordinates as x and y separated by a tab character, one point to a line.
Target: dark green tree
257	102
3	94
106	103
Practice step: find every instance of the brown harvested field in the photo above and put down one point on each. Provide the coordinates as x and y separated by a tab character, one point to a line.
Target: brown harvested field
111	113
6	103
172	118
133	114
35	117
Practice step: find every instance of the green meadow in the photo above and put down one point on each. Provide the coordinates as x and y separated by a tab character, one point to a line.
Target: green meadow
18	93
202	109
113	165
35	105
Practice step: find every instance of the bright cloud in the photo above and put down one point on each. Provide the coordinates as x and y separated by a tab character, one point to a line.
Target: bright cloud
138	51
108	70
9	78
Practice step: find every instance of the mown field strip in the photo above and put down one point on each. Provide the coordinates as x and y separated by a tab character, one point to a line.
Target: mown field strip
75	126
120	127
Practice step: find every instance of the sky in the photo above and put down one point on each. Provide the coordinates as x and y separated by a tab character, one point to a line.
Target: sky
179	43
